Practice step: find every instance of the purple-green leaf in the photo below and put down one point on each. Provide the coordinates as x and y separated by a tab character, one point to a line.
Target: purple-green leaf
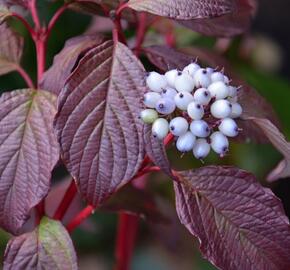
49	246
234	23
184	9
240	224
54	79
11	47
29	152
97	124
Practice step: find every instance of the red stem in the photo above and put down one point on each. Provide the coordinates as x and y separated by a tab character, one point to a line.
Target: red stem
66	201
126	238
86	212
55	18
25	23
40	43
141	32
25	76
121	8
34	14
119	30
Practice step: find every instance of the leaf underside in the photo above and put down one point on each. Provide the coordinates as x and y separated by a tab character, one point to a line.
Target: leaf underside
97	125
184	9
49	246
240	224
29	152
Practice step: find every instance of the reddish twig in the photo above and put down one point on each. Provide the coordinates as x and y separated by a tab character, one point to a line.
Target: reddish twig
85	213
40	43
126	238
66	201
141	32
55	18
25	76
119	30
121	8
34	13
25	23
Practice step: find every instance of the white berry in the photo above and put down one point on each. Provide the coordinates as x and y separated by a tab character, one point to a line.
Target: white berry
210	70
171	76
148	116
191	69
237	110
182	100
221	109
165	106
178	126
202	96
218	90
185	142
217	77
219	143
201	149
160	128
151	99
156	82
226	80
169	92
195	110
200	128
229	127
233	91
202	78
184	82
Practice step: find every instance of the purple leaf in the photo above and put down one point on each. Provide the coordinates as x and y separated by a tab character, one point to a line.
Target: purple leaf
53	80
280	143
234	23
240	224
97	124
155	150
29	152
184	9
49	246
11	47
253	104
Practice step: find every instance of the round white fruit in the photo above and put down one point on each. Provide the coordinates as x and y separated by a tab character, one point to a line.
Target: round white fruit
229	127
182	100
151	99
202	96
195	110
191	69
201	149
219	143
165	106
148	116
202	78
171	76
221	109
237	110
156	82
185	142
219	90
200	128
184	82
178	126
160	128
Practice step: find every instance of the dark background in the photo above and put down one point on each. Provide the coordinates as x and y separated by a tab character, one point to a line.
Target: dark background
170	246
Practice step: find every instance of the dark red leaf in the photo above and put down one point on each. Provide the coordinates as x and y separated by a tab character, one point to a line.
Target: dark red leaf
8	3
184	9
49	246
29	152
64	63
228	25
240	224
11	47
97	124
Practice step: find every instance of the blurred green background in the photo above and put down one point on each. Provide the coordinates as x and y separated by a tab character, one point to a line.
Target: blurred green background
170	246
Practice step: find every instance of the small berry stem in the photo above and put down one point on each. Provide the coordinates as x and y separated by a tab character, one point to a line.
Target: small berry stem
80	217
25	76
66	201
126	238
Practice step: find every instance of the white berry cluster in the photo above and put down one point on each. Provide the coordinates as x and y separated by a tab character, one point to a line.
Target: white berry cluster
197	105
